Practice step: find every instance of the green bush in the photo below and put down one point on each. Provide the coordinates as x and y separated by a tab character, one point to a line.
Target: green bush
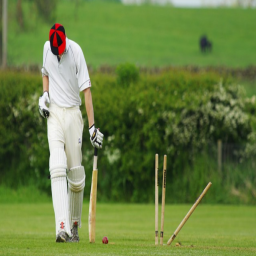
23	143
175	113
126	74
169	113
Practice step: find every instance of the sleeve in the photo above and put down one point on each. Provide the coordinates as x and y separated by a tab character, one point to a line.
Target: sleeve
82	74
45	53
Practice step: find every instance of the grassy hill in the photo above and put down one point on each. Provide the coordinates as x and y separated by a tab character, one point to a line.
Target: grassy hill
111	33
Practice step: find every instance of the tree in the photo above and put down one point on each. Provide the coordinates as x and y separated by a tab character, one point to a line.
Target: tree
19	14
4	33
47	9
1	32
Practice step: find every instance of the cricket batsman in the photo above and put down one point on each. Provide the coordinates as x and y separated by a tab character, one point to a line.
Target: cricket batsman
65	75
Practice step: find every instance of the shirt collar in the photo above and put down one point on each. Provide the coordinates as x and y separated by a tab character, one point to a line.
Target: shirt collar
67	45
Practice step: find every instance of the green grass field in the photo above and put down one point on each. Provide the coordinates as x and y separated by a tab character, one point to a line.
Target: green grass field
111	33
28	229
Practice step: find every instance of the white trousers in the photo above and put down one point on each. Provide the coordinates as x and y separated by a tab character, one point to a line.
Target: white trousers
65	129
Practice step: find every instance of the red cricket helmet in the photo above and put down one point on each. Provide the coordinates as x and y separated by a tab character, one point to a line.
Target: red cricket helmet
57	38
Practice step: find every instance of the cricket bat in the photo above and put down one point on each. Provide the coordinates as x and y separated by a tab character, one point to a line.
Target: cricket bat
93	199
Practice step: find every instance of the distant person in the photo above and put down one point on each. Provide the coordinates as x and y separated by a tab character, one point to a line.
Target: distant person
205	44
65	75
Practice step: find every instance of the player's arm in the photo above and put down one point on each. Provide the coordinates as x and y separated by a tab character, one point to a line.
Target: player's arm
44	99
89	106
45	84
96	136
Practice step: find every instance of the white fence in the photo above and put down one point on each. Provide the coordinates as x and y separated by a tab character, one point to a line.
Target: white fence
195	3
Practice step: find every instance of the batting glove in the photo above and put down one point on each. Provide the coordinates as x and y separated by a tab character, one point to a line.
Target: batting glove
96	137
43	109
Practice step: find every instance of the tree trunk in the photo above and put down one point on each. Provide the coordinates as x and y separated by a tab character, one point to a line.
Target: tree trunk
1	31
20	14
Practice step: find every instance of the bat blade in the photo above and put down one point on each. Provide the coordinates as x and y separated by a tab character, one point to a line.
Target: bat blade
92	207
93	200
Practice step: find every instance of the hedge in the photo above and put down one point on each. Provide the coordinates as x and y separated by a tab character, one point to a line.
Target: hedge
175	113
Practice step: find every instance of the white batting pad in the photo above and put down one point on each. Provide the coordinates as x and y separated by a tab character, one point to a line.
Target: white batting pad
76	183
58	166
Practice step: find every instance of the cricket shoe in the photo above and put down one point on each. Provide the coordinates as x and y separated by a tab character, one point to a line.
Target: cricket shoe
62	237
74	233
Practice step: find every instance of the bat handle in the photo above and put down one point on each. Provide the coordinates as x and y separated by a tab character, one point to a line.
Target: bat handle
95	159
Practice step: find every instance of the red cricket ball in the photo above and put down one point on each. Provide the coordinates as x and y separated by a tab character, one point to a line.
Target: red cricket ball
105	240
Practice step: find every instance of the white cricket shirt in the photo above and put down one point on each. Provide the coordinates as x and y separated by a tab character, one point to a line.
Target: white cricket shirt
67	77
